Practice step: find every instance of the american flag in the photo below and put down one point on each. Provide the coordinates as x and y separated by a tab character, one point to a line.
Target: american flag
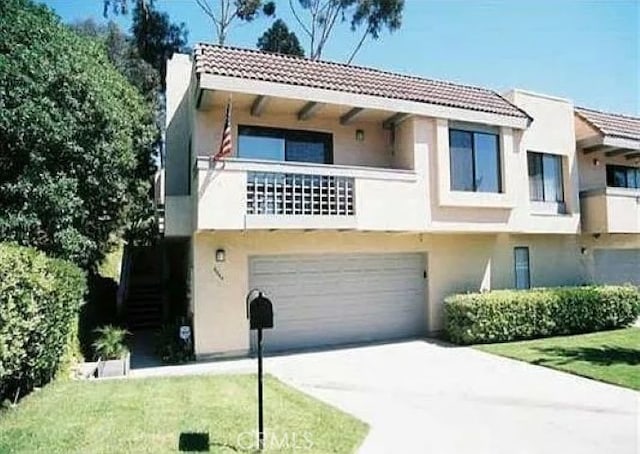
225	143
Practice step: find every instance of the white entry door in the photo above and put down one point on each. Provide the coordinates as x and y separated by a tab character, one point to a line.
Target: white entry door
322	300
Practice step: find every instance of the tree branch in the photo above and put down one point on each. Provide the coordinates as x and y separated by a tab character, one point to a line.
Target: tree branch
208	10
326	30
300	22
355	51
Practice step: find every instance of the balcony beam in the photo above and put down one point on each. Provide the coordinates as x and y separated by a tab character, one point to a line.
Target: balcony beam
350	116
199	95
394	119
598	148
617	152
204	99
259	105
309	110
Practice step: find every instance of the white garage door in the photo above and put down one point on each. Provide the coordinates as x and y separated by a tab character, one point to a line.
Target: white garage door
617	266
322	300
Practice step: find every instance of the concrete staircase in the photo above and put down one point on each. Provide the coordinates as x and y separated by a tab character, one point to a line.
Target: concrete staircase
143	303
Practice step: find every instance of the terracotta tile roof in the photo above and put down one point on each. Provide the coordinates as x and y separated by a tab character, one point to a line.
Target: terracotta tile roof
613	125
257	65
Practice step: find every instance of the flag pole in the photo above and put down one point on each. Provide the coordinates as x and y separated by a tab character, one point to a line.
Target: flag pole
226	140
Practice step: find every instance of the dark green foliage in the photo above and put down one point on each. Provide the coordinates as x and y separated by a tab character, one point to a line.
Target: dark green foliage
40	298
280	40
100	309
76	139
110	342
369	17
375	15
170	348
223	13
122	54
156	38
508	315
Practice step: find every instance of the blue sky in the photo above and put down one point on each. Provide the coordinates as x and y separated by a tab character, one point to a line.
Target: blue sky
588	51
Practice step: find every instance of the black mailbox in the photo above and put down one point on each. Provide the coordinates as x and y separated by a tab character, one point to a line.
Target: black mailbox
260	313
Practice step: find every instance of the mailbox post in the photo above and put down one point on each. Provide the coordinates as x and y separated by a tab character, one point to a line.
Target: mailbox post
260	313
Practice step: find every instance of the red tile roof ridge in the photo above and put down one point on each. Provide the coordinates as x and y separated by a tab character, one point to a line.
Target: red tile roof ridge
603	112
348	65
302	71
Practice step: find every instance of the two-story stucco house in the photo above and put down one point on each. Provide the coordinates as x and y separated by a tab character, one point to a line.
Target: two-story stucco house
358	199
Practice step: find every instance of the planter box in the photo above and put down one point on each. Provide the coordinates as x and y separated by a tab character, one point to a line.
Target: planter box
114	367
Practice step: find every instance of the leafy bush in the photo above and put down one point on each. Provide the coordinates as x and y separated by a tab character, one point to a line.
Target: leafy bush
40	298
170	347
110	342
507	315
76	139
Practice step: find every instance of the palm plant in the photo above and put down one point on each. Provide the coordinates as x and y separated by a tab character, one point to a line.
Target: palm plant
110	343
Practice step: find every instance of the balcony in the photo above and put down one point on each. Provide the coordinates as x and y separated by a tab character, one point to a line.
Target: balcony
240	194
610	210
296	194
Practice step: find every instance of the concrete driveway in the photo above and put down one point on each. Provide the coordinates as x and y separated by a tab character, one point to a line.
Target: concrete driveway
426	397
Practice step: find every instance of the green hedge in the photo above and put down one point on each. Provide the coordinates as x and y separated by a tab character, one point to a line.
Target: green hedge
39	299
508	315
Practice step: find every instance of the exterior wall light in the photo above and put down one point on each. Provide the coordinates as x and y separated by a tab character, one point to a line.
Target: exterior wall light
584	251
359	135
596	162
220	255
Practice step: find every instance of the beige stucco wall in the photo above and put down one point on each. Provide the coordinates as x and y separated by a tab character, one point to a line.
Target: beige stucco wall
583	129
424	204
421	144
467	238
605	210
593	168
611	210
591	243
456	263
551	131
178	216
179	125
375	150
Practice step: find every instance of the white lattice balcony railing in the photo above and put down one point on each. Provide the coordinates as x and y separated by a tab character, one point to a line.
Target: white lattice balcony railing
271	193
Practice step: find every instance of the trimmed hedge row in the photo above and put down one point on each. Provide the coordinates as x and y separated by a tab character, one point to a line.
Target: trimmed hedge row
39	302
508	315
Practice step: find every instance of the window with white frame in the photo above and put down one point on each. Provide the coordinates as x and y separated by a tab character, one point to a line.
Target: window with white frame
257	142
474	161
623	177
545	177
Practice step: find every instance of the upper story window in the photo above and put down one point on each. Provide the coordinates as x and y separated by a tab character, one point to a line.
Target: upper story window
623	177
545	177
256	142
475	161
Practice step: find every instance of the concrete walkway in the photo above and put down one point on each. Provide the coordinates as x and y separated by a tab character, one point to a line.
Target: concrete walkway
427	397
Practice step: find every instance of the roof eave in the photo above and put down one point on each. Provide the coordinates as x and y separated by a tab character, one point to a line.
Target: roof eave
609	141
208	81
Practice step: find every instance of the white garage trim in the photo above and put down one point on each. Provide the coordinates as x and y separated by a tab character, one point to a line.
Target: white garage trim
322	300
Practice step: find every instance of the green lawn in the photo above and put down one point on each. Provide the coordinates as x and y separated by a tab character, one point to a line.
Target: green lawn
609	356
172	414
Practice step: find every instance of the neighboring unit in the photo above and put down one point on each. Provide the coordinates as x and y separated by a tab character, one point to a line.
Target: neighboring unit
359	199
609	150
